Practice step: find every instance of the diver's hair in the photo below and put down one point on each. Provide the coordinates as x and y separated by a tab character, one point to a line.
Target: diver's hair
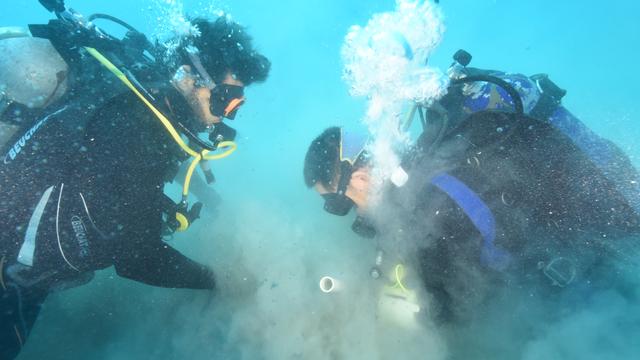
323	158
224	47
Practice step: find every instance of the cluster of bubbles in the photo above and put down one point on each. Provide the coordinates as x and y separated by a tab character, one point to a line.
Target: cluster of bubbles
386	61
174	27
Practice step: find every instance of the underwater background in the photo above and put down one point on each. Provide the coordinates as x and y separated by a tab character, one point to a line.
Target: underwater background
269	236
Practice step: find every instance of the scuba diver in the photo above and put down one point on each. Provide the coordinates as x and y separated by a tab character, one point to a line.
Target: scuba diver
503	191
82	180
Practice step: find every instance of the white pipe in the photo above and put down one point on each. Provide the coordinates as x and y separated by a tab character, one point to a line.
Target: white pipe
328	285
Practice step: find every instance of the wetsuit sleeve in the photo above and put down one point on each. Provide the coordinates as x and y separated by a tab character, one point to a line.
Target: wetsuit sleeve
448	263
141	255
159	264
129	156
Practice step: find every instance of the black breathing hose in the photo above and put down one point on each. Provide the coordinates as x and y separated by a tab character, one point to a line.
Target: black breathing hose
114	19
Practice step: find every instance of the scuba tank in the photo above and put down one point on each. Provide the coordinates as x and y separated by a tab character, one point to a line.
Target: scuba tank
482	95
32	72
46	71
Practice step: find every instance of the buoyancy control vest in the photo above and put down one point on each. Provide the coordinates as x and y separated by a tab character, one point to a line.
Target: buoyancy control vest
524	150
475	90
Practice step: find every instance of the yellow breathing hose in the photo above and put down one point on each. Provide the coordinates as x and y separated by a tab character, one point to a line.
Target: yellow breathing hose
197	156
187	179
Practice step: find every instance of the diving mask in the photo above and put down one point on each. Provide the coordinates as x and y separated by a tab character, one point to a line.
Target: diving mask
352	154
226	99
338	203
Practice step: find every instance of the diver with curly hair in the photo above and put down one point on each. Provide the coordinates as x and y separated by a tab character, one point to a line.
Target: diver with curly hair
81	184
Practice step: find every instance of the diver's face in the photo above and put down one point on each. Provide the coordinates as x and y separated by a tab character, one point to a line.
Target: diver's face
199	97
357	190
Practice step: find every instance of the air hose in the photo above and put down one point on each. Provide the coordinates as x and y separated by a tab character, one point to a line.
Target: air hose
399	275
113	19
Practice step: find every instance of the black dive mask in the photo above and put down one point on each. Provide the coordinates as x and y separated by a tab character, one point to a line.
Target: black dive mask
226	100
338	203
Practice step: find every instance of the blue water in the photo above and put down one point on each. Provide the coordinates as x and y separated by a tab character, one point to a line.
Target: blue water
270	231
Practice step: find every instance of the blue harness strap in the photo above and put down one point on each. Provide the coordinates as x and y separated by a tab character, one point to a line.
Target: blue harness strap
489	97
479	214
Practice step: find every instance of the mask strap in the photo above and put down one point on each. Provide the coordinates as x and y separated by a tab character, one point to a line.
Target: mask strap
346	170
192	52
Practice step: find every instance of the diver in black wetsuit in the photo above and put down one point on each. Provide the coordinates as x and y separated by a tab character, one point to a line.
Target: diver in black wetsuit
495	201
79	195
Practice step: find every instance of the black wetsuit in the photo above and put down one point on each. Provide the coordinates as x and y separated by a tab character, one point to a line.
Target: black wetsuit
506	201
78	196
